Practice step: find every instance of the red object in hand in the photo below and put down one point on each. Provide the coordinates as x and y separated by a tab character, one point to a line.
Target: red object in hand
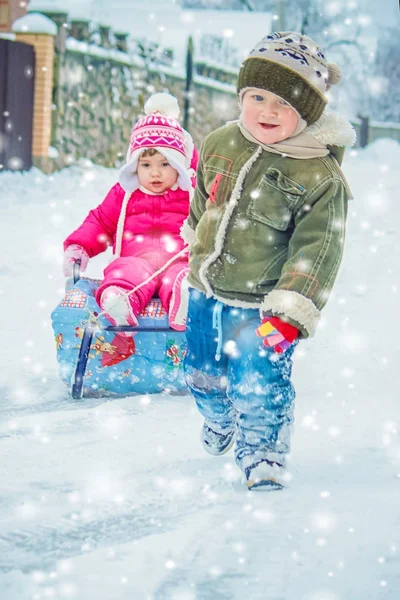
277	334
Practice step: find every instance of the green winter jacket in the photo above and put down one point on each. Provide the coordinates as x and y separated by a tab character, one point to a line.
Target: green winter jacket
275	243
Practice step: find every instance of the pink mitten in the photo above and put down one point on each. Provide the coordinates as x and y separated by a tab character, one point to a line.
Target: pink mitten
71	254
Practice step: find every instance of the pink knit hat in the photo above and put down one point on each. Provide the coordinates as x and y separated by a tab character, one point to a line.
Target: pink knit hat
160	130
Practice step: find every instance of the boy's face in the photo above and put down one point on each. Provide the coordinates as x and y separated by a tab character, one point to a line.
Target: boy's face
155	173
268	118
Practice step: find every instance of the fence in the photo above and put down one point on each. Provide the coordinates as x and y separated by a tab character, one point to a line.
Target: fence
368	131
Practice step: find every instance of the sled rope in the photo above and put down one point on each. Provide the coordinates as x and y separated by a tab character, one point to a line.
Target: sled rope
121	223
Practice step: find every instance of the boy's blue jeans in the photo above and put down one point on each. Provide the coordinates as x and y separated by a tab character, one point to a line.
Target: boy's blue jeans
248	388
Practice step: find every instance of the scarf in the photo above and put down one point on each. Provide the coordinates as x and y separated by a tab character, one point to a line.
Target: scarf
303	145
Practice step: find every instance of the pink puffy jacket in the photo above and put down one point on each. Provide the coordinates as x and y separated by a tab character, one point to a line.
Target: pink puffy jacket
151	228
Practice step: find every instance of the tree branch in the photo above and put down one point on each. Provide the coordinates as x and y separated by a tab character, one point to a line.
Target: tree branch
247	5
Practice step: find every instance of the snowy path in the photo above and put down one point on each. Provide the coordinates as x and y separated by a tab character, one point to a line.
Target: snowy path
115	500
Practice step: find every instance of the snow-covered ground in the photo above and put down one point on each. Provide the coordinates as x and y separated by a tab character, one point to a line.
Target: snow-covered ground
116	500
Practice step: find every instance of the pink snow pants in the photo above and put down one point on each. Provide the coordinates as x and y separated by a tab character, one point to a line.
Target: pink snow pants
129	271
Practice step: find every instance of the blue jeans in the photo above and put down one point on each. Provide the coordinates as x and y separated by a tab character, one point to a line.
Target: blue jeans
247	387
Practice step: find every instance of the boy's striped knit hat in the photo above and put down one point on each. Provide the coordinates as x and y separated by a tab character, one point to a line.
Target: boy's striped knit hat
293	67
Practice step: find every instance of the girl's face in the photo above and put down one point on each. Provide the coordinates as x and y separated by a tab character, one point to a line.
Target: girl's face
155	173
268	118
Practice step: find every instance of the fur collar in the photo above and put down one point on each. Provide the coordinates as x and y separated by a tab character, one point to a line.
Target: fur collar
332	129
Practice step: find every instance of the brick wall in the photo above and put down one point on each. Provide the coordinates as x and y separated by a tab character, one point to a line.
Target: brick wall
5	14
10	10
44	53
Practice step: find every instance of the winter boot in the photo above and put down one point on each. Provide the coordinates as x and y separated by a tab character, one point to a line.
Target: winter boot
217	443
264	475
119	308
179	301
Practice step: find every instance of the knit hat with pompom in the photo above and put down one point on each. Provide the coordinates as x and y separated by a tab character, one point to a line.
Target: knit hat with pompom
159	129
292	66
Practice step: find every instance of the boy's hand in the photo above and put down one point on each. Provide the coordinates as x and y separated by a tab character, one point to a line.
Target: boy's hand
278	334
71	254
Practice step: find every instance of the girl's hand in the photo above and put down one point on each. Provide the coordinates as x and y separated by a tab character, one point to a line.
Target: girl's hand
71	254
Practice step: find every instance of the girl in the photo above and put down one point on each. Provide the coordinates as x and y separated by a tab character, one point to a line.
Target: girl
141	218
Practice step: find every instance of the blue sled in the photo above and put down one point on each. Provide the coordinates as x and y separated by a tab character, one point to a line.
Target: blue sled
97	359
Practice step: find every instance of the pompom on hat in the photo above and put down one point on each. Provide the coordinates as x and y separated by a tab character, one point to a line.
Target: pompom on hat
292	66
160	130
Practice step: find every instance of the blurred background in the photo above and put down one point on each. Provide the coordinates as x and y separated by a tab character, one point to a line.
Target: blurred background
92	64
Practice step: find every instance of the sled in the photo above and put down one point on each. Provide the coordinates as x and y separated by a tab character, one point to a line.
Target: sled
98	359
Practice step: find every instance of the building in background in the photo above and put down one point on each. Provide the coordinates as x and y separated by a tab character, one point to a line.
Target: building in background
10	11
94	63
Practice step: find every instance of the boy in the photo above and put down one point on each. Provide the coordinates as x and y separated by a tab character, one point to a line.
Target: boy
266	232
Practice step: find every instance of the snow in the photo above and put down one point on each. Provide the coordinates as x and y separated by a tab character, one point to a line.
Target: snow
107	53
115	499
35	23
7	36
217	85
